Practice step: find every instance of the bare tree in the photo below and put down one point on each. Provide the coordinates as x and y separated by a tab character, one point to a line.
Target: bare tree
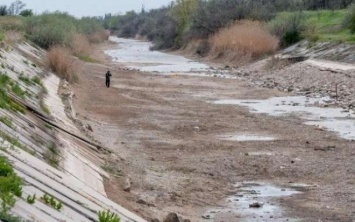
16	7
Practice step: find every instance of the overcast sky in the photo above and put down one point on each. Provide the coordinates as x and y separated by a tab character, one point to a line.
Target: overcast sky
89	7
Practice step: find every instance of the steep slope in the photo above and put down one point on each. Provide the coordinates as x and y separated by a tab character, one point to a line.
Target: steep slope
44	146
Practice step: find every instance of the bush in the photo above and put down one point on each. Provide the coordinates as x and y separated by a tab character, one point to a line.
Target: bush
246	37
50	29
349	20
288	27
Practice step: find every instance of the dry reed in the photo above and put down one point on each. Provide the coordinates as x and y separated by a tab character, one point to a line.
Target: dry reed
244	38
80	45
99	36
60	61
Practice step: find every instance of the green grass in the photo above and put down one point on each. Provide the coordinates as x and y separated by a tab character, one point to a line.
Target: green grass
2	36
88	59
328	25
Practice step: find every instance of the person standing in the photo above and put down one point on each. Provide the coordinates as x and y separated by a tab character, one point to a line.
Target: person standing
108	78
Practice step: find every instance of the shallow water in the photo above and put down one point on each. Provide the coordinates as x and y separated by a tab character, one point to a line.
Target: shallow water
248	193
139	54
332	119
247	137
136	55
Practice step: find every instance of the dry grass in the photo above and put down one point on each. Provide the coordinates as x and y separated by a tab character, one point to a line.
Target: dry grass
60	61
244	39
13	23
99	36
80	45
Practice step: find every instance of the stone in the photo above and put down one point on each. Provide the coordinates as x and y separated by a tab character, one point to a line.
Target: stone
155	220
141	201
256	205
128	185
207	216
172	217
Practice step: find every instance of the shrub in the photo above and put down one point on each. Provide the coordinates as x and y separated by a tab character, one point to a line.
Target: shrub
349	20
3	10
288	27
107	216
247	37
49	29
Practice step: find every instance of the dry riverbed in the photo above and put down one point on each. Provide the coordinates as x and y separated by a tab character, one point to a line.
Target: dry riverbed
178	148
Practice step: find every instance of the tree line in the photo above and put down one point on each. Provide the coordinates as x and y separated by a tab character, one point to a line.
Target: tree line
173	25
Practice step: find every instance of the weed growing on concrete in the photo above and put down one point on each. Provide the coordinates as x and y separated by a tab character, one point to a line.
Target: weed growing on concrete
31	199
37	80
7	121
107	216
44	107
51	155
51	201
10	186
25	79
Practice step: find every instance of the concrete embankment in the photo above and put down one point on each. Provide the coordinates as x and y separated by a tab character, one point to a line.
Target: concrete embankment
45	147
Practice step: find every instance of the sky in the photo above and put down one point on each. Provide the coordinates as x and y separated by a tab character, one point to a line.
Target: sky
81	8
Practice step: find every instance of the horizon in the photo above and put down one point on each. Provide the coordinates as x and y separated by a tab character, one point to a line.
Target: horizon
81	8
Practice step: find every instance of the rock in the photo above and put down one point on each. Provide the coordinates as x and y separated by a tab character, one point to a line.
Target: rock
141	201
172	217
88	127
207	216
128	185
186	220
155	220
256	205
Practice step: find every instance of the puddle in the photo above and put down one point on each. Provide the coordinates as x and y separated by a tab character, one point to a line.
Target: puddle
332	119
136	55
238	205
247	137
